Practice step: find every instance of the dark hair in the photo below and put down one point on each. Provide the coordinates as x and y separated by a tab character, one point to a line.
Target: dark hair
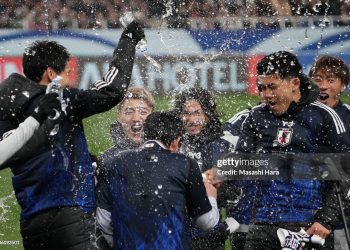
207	102
163	126
283	63
334	65
43	54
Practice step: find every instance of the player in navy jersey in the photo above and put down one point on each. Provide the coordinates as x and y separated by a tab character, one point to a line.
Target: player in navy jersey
126	133
291	121
157	188
201	137
197	109
331	75
55	186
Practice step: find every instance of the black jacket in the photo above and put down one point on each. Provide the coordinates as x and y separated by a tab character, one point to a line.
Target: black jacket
59	172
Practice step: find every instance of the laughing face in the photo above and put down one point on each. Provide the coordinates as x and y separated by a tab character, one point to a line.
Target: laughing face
131	116
193	117
279	93
330	86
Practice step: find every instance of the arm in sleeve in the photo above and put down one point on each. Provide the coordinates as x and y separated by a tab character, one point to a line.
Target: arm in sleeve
198	205
247	140
210	219
108	92
334	134
336	139
13	140
104	204
34	145
329	214
103	223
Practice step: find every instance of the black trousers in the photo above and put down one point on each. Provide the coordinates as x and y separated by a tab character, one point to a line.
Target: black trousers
237	240
261	237
59	228
210	240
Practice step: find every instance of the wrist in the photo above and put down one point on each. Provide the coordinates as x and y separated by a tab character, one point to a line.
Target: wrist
38	117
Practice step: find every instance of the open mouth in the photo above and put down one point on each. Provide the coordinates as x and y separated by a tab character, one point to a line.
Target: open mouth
323	96
136	127
272	103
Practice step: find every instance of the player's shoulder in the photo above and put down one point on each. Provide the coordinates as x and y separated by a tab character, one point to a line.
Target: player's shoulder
242	114
259	109
345	107
329	114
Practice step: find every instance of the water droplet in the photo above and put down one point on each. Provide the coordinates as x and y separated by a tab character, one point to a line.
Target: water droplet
26	94
54	130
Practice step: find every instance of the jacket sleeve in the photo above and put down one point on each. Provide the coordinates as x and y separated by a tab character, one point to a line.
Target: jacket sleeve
247	139
103	206
13	140
34	145
336	140
108	92
335	136
329	214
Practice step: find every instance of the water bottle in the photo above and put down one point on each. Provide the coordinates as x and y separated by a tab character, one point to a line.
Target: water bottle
125	20
55	87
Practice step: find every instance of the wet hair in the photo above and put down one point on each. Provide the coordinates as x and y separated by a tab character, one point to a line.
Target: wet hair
283	63
138	93
43	54
334	65
207	102
164	126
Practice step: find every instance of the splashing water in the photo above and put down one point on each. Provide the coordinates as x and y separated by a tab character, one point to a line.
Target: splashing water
54	130
168	9
26	94
156	65
4	209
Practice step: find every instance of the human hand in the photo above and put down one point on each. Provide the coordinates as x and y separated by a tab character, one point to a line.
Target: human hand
47	105
135	31
319	230
211	176
211	190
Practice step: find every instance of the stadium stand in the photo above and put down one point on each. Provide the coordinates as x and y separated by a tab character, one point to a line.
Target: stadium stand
194	14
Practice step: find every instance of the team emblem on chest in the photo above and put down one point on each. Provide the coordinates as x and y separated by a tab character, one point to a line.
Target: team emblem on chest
284	136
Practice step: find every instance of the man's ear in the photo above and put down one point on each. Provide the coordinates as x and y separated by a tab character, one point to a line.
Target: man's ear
175	145
296	83
343	88
48	75
51	73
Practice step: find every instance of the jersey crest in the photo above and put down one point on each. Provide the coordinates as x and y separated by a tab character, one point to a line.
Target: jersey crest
284	136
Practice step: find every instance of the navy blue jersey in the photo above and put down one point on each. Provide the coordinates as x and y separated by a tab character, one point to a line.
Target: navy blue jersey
343	110
198	151
155	188
238	196
305	128
234	124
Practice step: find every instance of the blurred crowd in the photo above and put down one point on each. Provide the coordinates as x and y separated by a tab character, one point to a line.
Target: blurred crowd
102	14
